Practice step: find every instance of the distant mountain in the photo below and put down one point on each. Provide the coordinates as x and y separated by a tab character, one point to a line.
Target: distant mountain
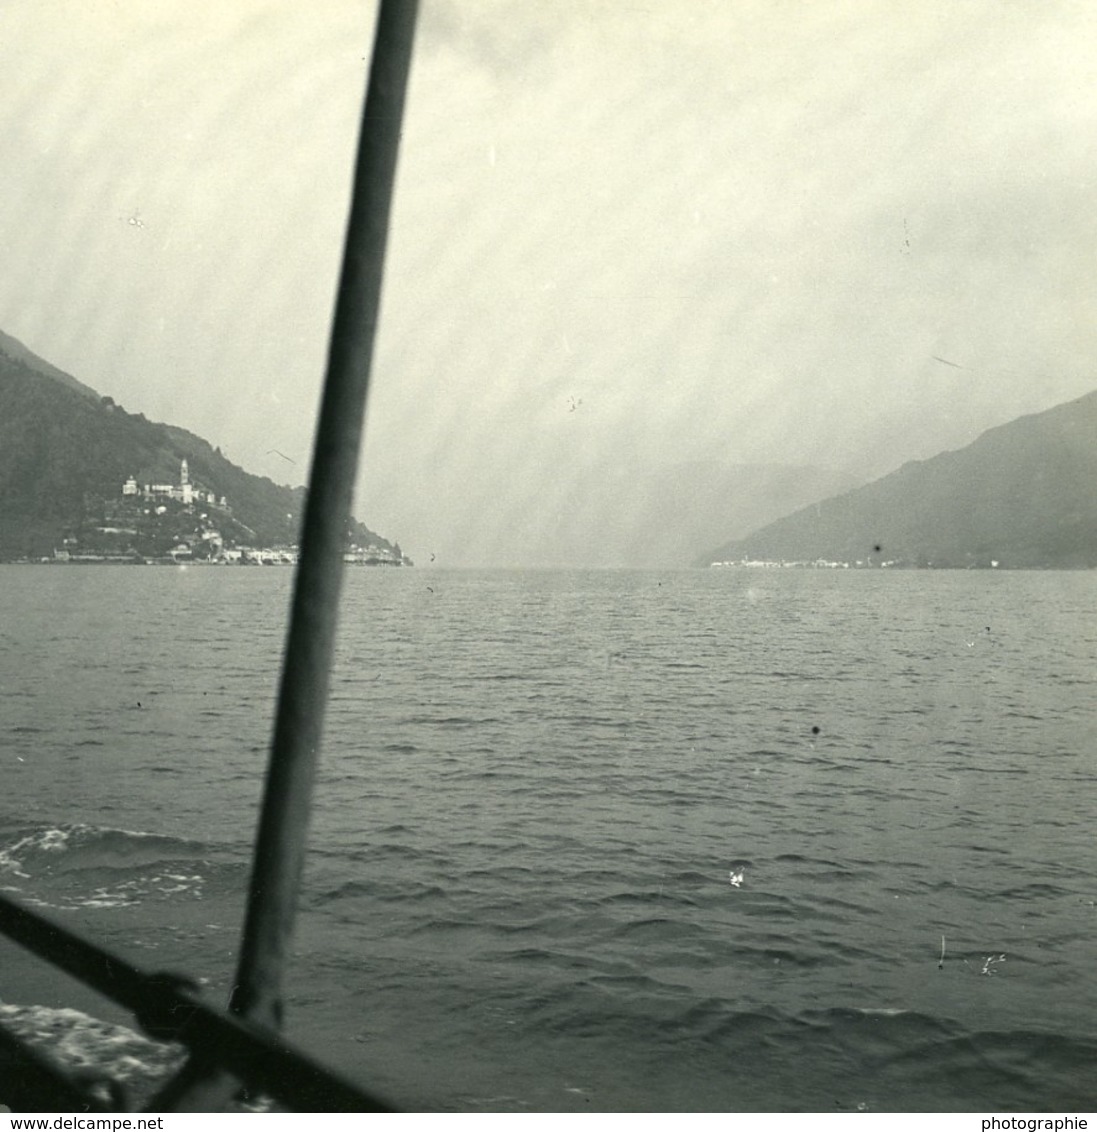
661	517
676	511
65	453
1023	495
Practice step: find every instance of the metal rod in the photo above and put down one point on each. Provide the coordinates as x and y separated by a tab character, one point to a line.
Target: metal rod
280	843
283	824
249	1052
86	961
280	846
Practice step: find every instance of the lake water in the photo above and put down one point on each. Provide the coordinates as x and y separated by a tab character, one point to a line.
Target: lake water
594	840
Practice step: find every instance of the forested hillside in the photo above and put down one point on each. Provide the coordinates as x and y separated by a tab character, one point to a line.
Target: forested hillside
1022	495
64	451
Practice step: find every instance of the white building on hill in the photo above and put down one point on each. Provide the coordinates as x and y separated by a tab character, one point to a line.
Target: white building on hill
183	492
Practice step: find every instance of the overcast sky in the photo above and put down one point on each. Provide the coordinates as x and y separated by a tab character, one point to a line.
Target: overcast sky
841	232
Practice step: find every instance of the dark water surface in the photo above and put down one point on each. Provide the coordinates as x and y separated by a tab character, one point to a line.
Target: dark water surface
603	840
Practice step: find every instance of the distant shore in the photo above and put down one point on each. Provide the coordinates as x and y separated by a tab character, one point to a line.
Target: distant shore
88	560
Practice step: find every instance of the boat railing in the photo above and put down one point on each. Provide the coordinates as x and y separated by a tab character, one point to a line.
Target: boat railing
242	1044
167	1008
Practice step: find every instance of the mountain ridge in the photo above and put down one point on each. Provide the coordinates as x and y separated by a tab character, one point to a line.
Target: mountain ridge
66	451
15	349
1020	495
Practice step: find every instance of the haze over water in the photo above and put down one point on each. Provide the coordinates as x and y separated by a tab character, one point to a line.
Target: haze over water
594	840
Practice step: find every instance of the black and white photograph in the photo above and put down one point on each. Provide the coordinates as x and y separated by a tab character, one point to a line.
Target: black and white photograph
548	557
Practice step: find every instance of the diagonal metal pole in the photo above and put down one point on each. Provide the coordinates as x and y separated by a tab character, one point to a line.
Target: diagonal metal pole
280	846
167	1010
283	824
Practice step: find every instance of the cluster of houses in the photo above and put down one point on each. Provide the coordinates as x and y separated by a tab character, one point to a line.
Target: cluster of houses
815	564
278	555
180	523
827	564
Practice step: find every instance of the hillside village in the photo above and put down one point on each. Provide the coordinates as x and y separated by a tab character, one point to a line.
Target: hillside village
83	480
183	522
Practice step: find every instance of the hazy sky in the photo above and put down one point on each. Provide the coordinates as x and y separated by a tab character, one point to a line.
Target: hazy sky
626	234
